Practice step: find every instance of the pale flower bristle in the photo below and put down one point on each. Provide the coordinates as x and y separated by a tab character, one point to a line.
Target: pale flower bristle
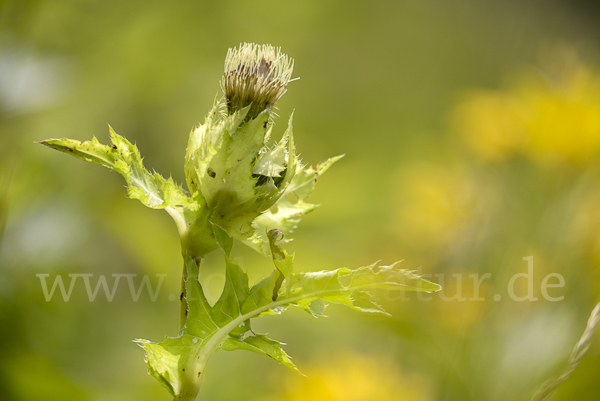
257	75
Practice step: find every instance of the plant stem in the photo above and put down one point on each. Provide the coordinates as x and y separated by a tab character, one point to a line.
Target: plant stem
190	384
182	299
183	305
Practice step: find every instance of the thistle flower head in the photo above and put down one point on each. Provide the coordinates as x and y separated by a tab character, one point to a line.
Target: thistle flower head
255	75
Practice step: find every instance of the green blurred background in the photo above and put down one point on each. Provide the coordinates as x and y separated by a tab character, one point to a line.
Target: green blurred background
471	131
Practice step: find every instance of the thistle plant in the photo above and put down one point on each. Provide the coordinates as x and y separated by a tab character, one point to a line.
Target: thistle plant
242	185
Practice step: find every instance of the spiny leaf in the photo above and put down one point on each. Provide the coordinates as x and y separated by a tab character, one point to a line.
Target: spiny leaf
178	362
190	214
304	181
274	162
162	365
223	239
284	216
202	142
226	171
261	344
124	158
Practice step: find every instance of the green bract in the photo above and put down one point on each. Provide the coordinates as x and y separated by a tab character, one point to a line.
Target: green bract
234	179
241	185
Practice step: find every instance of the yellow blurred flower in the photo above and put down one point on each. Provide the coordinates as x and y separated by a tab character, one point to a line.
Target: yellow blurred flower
550	115
356	378
585	227
435	204
489	124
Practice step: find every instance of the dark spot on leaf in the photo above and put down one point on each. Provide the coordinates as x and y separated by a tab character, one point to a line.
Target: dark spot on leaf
265	124
114	146
211	172
181	297
199	373
183	369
